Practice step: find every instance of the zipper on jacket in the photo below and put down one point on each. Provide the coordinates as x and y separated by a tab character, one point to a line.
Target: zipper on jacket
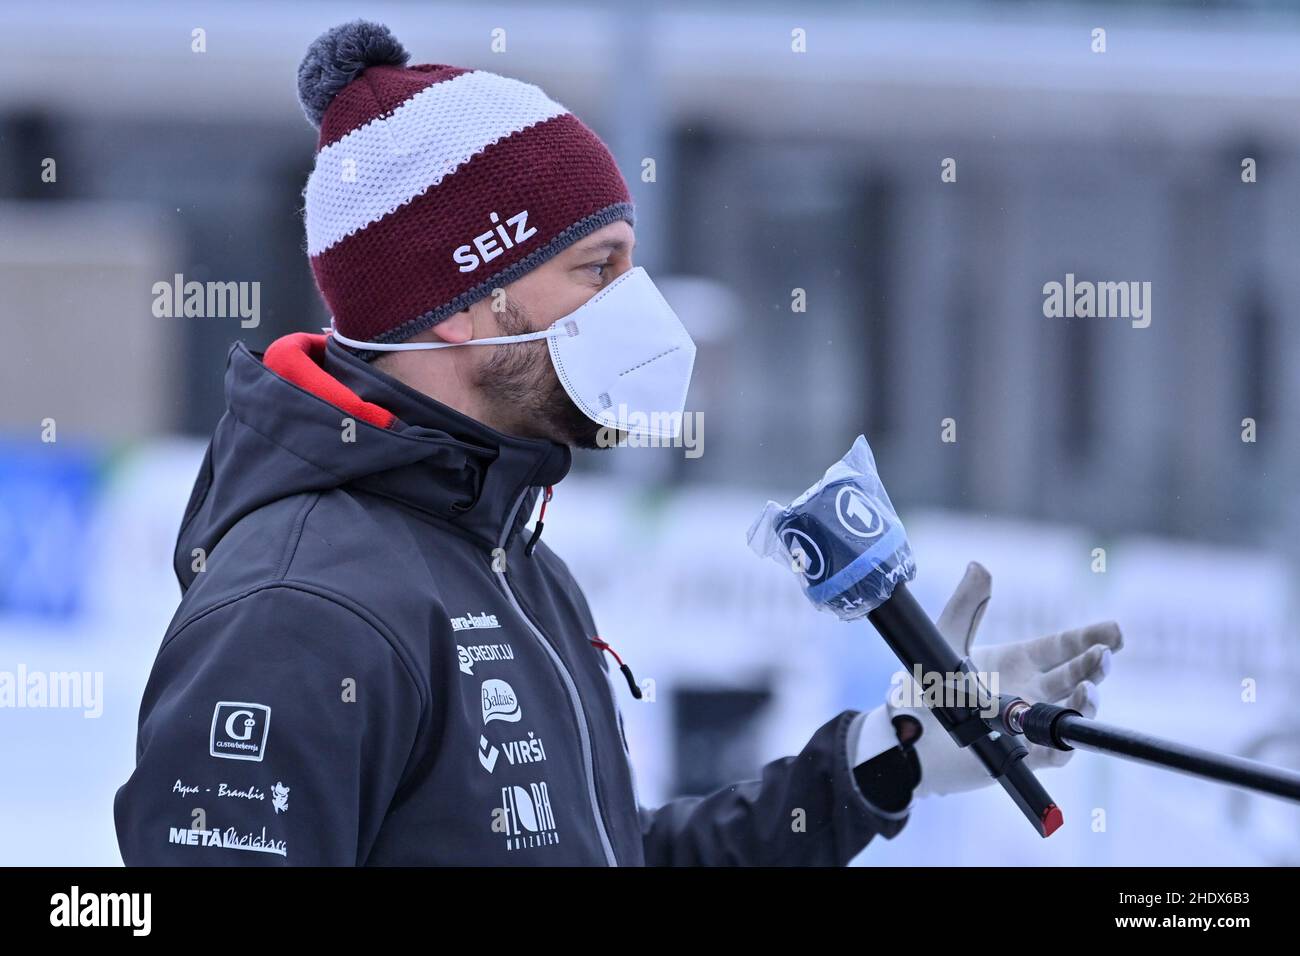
541	523
575	702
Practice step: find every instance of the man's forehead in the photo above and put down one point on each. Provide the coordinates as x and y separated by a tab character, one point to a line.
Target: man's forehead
617	237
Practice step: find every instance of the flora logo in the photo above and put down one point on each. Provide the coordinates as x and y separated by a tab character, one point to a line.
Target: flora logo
526	817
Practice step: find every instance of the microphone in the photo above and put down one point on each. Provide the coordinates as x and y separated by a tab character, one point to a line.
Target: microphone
845	541
917	643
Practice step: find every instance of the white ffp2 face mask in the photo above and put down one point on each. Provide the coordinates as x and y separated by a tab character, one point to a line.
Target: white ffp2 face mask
623	357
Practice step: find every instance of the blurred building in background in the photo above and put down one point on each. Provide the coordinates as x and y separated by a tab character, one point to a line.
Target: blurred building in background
764	178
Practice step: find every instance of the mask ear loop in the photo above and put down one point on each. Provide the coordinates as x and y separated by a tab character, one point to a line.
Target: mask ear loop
419	346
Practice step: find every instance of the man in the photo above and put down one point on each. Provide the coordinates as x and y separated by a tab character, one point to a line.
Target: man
374	661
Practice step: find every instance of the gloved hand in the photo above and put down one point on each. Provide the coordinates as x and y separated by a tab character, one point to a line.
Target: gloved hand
1062	669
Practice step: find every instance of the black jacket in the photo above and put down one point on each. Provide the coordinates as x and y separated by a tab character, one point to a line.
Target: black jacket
367	668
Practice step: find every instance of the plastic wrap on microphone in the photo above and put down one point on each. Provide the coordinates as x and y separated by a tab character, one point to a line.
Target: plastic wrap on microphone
841	537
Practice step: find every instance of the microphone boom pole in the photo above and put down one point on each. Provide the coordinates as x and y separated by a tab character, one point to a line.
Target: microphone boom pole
1062	729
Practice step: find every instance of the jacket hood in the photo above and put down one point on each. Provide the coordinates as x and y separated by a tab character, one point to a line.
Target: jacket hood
286	431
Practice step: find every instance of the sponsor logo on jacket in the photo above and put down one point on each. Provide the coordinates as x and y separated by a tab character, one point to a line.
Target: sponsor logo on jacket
280	798
474	621
239	730
229	839
500	702
468	656
251	792
516	751
525	817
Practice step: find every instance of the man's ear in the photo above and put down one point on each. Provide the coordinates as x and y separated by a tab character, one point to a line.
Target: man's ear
457	327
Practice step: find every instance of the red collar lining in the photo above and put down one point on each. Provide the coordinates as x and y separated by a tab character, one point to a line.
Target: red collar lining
297	357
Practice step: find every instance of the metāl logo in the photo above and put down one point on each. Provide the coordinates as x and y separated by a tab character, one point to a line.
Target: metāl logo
229	839
239	730
500	702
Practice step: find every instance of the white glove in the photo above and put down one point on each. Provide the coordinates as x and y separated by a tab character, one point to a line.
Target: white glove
1062	669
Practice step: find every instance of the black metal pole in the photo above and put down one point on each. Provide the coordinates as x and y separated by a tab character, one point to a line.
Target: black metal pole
1056	727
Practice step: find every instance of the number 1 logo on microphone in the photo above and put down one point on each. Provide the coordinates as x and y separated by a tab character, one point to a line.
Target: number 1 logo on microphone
857	513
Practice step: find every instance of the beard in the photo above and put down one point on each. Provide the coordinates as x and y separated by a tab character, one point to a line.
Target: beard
520	382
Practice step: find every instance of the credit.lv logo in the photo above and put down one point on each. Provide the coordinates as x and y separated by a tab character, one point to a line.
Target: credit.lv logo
239	730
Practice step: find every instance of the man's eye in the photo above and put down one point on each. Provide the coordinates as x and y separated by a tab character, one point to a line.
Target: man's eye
599	268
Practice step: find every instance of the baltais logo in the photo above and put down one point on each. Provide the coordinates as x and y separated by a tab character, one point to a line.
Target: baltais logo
486	247
500	702
467	657
473	621
239	730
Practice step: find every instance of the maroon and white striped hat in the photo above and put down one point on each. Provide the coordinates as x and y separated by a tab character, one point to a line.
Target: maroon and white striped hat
434	185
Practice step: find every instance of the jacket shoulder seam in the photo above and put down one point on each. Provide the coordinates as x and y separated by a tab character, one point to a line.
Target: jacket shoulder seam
294	537
325	594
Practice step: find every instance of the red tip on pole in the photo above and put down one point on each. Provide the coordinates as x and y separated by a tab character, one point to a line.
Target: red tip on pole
1052	820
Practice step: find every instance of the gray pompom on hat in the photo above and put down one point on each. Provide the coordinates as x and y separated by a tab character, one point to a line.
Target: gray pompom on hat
337	57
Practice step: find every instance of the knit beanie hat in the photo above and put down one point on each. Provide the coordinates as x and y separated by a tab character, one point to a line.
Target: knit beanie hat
434	185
